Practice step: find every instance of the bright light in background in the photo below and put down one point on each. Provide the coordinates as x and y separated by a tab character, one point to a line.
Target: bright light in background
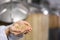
45	12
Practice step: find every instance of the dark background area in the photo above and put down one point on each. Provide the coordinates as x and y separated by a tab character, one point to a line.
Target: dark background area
36	1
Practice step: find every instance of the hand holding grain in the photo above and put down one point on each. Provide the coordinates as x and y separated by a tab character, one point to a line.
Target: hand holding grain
20	27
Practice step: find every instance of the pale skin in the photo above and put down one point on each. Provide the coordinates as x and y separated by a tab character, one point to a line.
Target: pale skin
19	28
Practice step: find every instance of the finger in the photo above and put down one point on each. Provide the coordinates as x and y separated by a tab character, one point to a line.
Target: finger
29	28
25	32
24	22
15	33
27	24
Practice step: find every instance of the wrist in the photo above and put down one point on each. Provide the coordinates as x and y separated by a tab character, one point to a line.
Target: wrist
7	31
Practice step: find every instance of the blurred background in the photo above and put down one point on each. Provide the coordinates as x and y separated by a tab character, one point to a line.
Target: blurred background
43	15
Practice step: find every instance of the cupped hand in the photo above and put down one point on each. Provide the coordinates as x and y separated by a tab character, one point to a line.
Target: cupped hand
20	27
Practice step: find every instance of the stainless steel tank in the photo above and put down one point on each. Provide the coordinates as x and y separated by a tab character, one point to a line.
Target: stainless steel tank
12	11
